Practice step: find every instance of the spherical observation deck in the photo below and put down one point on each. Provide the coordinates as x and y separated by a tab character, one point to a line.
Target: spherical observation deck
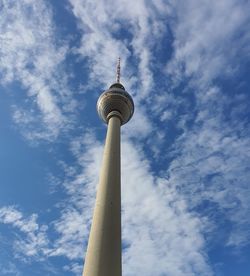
117	99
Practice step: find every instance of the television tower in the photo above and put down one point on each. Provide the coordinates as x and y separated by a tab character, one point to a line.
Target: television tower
103	258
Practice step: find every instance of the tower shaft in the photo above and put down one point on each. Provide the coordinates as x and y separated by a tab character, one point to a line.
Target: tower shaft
103	257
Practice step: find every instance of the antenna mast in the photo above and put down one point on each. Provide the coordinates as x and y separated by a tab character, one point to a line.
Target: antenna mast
118	70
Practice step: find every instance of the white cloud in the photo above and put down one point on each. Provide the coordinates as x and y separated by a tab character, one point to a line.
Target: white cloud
80	185
207	44
101	25
212	165
72	228
32	241
161	235
29	54
74	268
9	269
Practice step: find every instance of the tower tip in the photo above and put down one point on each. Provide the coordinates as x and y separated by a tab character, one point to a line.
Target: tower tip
118	70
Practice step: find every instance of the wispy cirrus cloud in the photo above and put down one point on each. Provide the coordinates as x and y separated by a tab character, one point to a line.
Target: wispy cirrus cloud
31	55
157	223
207	44
211	162
213	167
102	23
32	240
9	269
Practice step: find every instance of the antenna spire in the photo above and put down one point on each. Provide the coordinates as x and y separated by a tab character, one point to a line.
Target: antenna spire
118	70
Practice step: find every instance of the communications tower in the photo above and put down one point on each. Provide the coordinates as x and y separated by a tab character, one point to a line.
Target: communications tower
103	258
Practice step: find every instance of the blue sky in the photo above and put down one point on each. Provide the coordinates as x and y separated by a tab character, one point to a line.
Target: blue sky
185	153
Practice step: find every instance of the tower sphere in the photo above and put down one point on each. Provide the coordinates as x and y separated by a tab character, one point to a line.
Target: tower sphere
117	99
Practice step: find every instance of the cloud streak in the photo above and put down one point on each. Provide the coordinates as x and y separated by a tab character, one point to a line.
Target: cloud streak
31	56
32	240
203	34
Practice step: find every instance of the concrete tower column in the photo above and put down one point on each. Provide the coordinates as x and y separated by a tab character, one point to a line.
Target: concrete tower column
103	256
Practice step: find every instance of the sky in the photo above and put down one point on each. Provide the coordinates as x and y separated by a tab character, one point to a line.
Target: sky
185	152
